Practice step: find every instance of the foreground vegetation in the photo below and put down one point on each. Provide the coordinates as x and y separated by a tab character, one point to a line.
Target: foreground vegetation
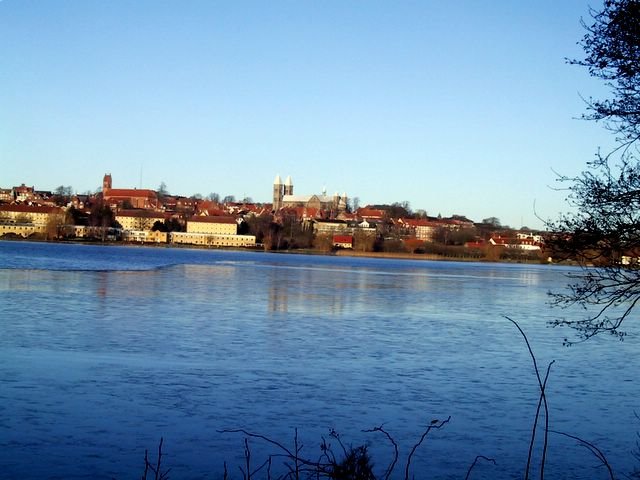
347	462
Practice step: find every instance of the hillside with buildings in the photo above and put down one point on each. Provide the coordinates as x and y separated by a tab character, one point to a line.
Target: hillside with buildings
315	221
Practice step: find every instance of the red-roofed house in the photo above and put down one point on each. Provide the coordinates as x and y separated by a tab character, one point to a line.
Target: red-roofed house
369	213
343	241
207	208
423	229
22	193
523	242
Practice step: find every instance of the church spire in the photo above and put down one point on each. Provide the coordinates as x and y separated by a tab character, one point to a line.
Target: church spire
288	186
278	192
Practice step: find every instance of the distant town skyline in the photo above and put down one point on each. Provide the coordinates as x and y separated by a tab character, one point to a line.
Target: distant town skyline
142	198
461	108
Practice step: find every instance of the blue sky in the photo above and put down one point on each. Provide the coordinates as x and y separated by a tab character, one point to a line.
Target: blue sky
462	107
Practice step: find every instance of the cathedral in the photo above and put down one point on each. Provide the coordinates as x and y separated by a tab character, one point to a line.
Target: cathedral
128	197
283	197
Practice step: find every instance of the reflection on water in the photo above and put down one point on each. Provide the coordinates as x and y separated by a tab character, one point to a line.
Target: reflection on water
336	291
97	364
101	284
199	273
278	296
305	292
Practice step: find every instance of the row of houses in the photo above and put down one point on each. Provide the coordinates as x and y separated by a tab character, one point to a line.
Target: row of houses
22	193
135	226
221	229
208	230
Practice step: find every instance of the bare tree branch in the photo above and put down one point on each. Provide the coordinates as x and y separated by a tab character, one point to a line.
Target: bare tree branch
395	449
542	400
592	448
434	424
475	462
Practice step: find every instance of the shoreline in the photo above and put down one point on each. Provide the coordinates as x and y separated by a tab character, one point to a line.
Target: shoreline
408	256
337	253
432	257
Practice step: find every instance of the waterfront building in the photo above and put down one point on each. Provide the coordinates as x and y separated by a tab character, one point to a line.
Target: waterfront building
26	220
521	241
20	213
138	219
144	236
218	225
217	231
208	240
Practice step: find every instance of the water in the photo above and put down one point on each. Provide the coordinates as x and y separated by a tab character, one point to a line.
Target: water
103	350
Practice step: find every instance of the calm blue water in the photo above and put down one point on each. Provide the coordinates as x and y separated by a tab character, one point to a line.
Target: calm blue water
103	350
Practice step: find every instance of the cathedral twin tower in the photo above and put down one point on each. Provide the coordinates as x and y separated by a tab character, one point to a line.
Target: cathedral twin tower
280	190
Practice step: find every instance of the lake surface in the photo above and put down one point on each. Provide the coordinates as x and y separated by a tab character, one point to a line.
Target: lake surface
103	350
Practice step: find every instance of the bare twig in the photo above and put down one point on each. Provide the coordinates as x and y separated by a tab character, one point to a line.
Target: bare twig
541	401
247	458
261	437
157	470
395	449
297	453
300	464
592	448
336	435
146	464
543	396
269	468
434	424
327	452
475	462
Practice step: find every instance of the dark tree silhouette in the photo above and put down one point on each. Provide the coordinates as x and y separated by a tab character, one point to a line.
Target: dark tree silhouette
162	190
604	228
612	47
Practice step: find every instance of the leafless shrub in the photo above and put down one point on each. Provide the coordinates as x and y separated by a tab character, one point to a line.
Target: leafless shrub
353	463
